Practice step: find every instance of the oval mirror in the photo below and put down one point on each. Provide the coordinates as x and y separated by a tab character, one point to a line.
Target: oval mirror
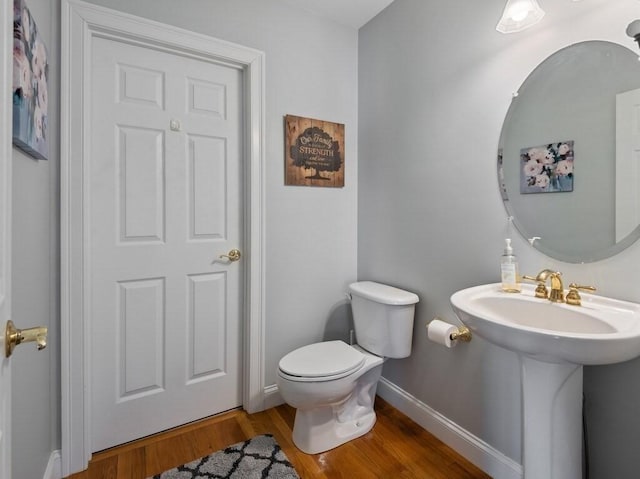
569	153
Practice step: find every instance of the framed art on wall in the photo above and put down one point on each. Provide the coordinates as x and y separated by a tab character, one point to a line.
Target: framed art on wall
314	152
30	83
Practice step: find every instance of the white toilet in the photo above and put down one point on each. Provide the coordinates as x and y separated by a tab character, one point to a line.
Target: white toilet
332	384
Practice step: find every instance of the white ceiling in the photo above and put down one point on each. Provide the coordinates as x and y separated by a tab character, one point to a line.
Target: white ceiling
352	13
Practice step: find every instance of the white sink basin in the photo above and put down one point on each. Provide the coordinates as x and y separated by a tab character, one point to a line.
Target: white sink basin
601	331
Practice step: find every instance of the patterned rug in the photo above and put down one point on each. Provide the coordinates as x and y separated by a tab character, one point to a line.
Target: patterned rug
257	458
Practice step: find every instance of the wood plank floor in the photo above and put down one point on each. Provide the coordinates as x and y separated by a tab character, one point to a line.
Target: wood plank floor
395	448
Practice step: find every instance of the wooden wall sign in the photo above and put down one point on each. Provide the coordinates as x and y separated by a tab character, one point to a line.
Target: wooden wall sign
314	152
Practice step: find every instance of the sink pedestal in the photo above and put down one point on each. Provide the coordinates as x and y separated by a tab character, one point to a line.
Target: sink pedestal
552	420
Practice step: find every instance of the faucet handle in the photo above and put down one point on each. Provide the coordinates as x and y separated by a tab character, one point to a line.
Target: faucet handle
541	289
573	297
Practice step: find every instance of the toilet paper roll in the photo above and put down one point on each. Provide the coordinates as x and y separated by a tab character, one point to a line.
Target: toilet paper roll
440	332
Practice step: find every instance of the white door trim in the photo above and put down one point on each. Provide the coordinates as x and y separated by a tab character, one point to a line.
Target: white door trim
81	23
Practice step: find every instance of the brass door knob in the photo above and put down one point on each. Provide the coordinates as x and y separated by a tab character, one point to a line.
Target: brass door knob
233	255
14	336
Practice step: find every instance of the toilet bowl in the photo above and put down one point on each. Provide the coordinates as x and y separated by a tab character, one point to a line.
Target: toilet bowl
332	384
332	408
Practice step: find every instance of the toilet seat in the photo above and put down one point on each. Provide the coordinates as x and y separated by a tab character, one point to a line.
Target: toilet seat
323	361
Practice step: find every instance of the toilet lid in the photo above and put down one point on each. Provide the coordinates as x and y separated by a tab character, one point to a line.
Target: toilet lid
329	358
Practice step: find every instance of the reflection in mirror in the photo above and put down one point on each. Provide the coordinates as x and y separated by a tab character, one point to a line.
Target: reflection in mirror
567	161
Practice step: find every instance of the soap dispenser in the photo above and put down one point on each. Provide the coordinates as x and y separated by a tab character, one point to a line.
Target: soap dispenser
509	270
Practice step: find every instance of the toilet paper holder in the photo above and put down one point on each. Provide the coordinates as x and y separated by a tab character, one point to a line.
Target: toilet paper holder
447	334
462	334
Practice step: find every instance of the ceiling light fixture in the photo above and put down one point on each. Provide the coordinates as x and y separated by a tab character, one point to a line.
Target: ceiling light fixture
518	15
633	30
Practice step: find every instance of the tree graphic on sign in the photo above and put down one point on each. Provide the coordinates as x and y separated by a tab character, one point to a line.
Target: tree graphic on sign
315	149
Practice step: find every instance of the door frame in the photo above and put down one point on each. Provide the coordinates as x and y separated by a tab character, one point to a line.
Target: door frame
81	23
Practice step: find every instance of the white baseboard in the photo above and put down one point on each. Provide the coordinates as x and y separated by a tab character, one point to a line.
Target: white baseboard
487	458
54	466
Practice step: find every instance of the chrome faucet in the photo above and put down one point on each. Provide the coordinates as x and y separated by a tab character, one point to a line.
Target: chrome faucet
557	288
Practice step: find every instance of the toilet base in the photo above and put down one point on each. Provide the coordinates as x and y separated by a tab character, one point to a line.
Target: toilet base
321	428
317	430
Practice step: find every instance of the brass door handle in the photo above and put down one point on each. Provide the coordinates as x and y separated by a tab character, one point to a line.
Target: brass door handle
14	336
233	255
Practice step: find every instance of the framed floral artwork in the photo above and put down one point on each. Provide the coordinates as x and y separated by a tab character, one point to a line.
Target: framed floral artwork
29	86
547	168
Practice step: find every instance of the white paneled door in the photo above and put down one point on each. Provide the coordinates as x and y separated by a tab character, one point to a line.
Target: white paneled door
164	189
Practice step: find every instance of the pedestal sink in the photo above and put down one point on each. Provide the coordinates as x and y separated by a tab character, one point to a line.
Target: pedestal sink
553	341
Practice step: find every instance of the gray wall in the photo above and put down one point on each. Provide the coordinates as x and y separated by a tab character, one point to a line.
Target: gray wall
35	381
435	82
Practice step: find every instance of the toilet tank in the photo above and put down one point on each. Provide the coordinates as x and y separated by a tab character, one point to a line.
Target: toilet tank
383	318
